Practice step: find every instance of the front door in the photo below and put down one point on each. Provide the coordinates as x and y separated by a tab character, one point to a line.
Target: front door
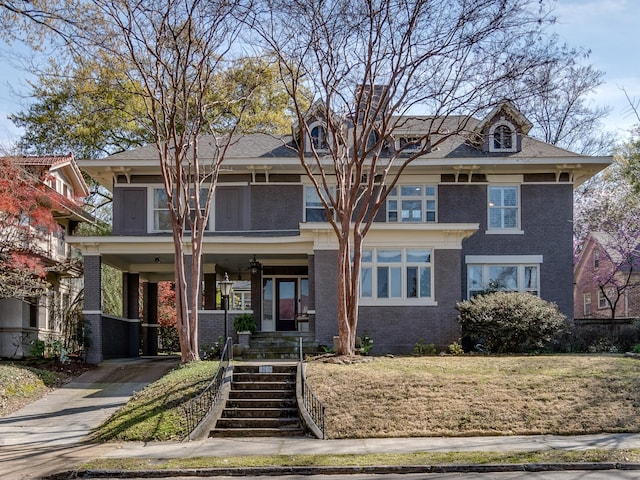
286	299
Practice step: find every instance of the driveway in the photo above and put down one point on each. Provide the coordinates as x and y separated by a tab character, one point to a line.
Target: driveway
49	434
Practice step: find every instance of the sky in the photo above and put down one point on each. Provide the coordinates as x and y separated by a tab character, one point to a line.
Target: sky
605	27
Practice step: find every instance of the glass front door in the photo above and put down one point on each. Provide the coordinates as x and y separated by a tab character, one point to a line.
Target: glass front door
286	294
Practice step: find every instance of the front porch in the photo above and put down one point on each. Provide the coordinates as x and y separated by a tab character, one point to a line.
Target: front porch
275	288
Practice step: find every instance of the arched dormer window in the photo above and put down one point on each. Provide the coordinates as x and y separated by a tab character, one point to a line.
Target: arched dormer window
502	138
318	137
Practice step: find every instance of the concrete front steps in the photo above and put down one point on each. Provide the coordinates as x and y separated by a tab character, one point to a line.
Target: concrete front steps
280	345
262	403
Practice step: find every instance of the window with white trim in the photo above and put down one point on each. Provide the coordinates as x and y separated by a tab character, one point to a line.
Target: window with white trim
496	277
395	274
412	203
504	207
502	137
602	297
318	138
160	207
161	219
586	301
314	210
409	144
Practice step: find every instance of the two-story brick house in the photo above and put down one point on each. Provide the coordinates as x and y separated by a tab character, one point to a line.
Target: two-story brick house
24	320
493	207
607	278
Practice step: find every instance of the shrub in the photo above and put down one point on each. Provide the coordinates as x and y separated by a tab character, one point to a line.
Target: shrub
421	348
456	349
510	322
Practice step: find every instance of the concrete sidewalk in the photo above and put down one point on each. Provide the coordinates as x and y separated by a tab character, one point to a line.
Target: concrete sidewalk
49	435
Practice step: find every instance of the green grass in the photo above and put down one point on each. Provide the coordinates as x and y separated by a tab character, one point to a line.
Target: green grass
155	413
420	458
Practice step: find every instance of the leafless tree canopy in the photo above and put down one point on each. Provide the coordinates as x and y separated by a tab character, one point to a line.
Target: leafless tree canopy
171	52
367	64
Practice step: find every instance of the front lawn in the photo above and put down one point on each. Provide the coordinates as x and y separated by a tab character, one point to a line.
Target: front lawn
479	395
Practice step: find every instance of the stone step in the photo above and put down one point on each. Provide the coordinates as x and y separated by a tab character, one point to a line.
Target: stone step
263	385
264	377
275	368
260	354
257	432
277	412
262	403
260	394
260	422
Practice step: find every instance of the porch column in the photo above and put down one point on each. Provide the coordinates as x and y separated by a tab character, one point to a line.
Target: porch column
150	316
256	297
209	291
130	302
92	311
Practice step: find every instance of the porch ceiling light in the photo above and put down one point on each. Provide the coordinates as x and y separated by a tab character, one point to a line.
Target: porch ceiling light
255	265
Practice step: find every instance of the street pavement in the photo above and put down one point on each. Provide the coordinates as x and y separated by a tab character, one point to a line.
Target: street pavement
50	435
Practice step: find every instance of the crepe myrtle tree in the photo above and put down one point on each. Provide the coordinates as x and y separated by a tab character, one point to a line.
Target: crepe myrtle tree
174	52
368	63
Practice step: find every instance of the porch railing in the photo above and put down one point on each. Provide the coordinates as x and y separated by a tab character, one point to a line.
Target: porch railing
198	407
310	401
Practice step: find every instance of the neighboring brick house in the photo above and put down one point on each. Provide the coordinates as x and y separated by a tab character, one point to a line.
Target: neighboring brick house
24	320
607	274
464	217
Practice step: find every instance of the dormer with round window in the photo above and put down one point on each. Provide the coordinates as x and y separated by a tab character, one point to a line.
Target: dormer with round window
318	139
502	130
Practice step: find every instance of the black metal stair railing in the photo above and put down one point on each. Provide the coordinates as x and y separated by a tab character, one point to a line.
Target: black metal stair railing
197	408
310	401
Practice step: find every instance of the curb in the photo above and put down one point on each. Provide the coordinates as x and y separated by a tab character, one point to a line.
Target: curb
308	471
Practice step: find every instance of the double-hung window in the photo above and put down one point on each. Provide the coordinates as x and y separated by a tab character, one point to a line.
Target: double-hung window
161	218
412	203
314	210
504	207
396	274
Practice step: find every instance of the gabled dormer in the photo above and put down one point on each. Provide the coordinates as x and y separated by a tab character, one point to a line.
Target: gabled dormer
313	134
502	130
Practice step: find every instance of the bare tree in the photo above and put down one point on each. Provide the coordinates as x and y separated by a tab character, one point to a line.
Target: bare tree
560	110
368	63
174	51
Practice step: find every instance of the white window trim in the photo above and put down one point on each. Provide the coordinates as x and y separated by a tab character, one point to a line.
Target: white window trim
309	139
411	137
306	186
520	261
423	198
514	137
505	231
402	300
587	296
151	209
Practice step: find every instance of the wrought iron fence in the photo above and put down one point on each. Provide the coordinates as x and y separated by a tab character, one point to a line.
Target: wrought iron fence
197	408
311	402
